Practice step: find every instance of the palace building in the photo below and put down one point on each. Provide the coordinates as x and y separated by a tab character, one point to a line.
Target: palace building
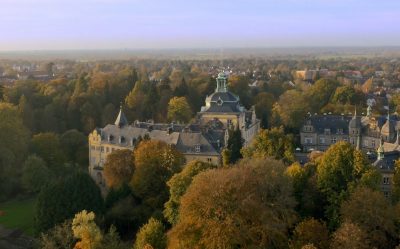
378	137
204	139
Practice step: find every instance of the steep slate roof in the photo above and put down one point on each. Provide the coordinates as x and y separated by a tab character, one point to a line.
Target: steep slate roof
121	119
388	162
188	140
332	122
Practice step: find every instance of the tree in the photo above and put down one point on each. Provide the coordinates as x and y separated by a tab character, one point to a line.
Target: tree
263	107
338	169
310	231
350	236
151	234
396	182
235	144
272	143
374	214
320	93
239	85
247	206
59	237
86	230
35	174
13	147
291	109
155	163
179	110
178	185
48	146
75	146
118	168
62	199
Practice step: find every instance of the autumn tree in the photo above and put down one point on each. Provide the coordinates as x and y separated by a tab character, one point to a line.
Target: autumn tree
178	185
59	237
118	168
310	231
151	234
86	230
246	206
396	182
272	143
374	214
350	236
179	110
155	163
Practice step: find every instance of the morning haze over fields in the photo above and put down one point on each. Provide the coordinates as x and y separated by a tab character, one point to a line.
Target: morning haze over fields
199	124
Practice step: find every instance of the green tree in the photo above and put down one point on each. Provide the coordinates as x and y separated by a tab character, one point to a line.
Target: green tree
272	143
35	174
155	163
48	146
14	138
118	168
310	231
340	167
151	234
396	182
235	144
247	206
75	147
178	185
179	110
61	199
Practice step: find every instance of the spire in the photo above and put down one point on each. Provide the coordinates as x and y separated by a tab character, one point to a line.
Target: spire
121	119
381	151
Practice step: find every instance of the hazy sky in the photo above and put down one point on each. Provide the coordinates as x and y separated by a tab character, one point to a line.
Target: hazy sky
96	24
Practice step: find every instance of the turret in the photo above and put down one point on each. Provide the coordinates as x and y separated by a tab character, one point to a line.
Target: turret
121	119
355	129
221	83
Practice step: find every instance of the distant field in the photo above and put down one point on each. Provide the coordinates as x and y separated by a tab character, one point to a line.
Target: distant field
18	214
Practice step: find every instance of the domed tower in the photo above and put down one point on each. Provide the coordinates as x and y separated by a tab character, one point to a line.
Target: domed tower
388	131
355	129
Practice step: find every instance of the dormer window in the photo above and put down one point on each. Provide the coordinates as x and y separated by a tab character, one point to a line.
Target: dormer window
110	138
121	139
197	148
327	131
219	101
339	131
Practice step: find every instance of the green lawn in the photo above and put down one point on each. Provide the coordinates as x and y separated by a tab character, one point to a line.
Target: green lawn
18	214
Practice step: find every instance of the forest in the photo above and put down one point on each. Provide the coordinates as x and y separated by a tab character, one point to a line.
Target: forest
262	198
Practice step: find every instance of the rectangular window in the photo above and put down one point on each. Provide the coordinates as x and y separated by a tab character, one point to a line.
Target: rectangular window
102	148
107	149
321	140
333	140
373	143
197	148
209	160
386	180
308	140
340	131
327	131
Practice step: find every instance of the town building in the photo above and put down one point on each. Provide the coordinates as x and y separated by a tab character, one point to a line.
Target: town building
203	139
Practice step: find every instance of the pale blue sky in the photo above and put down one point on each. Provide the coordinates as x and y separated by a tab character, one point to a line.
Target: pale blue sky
111	24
